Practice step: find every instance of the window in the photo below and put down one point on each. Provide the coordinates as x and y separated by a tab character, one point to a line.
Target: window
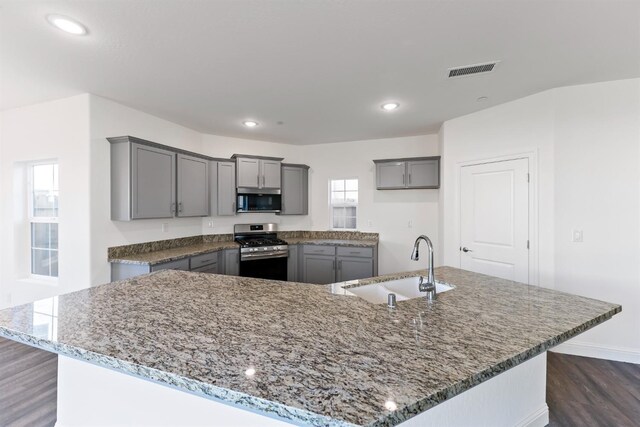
344	203
43	218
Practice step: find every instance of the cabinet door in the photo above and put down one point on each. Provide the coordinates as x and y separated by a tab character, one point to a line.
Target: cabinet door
153	178
270	174
193	186
294	191
351	268
292	264
226	188
390	175
232	262
211	269
423	173
248	172
319	269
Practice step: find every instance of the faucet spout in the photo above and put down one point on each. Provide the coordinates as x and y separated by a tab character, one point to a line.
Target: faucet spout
428	285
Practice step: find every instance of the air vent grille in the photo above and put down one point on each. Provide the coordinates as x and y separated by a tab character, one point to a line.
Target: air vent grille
468	70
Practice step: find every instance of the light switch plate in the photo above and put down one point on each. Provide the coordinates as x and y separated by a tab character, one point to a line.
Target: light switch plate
577	236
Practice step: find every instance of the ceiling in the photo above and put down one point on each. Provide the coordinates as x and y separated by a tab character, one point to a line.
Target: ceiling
311	71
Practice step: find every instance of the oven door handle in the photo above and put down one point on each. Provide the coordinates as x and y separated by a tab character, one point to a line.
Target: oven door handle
249	257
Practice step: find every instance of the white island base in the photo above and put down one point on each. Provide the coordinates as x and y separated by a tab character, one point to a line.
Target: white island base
90	395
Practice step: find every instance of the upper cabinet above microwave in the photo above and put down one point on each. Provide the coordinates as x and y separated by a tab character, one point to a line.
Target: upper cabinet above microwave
257	174
408	173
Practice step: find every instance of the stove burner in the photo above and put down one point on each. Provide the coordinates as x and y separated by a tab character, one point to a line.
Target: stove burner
261	242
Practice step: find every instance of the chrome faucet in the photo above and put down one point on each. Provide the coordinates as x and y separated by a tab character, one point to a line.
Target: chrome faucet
427	285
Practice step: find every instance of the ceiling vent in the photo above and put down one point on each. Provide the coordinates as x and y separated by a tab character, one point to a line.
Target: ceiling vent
468	70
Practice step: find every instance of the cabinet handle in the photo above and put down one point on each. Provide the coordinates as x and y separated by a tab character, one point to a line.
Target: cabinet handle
258	177
180	207
334	265
403	179
409	179
340	265
233	207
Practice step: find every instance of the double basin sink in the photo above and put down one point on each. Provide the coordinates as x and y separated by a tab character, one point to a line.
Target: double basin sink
404	289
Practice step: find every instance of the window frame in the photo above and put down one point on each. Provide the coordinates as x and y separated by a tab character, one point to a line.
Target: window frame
31	219
343	205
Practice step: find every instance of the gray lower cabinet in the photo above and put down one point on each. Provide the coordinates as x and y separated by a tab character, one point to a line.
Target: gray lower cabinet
292	264
193	186
181	264
295	189
143	180
329	264
231	262
351	268
409	173
320	269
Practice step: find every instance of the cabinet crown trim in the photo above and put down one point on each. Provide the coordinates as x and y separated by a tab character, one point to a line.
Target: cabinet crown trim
136	140
295	165
250	156
407	159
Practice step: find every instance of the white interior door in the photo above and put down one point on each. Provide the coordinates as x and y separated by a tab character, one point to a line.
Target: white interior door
494	219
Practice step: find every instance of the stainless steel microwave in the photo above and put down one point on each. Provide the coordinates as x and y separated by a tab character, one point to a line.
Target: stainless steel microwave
259	202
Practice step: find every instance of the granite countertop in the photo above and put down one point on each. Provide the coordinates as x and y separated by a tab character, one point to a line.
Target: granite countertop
173	254
337	242
320	358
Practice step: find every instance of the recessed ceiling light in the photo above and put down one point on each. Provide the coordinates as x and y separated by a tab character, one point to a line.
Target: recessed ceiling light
250	123
67	25
390	106
482	99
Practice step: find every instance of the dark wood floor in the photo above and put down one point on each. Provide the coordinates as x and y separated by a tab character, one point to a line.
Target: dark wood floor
28	386
591	392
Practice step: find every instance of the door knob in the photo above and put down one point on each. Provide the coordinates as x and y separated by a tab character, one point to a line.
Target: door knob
465	250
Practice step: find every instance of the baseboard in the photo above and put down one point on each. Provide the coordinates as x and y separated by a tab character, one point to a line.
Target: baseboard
539	418
618	354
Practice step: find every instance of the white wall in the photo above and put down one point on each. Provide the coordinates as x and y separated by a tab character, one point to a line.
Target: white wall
386	212
52	130
588	143
107	119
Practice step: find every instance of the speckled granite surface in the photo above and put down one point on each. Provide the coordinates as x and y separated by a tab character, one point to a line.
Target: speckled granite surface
351	243
161	251
319	358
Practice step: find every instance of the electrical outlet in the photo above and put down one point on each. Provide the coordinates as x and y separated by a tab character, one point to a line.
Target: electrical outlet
165	227
210	223
577	236
410	224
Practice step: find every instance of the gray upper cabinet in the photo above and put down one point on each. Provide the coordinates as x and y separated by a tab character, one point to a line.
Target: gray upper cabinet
423	173
226	185
390	175
193	186
248	173
257	173
295	189
409	173
143	180
270	171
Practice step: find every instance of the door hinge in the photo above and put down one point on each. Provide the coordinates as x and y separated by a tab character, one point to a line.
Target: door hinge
527	244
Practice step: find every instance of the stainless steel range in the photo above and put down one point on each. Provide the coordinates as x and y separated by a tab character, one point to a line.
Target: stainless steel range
262	254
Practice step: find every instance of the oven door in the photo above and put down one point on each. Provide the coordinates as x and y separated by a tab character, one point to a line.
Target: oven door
265	268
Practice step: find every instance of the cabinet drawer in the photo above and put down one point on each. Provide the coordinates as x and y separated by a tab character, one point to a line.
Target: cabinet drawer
204	259
355	252
211	268
181	264
319	250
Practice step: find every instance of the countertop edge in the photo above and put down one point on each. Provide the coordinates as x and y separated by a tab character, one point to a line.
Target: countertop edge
208	391
404	414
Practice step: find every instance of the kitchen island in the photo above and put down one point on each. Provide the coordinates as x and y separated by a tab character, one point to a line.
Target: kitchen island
306	354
